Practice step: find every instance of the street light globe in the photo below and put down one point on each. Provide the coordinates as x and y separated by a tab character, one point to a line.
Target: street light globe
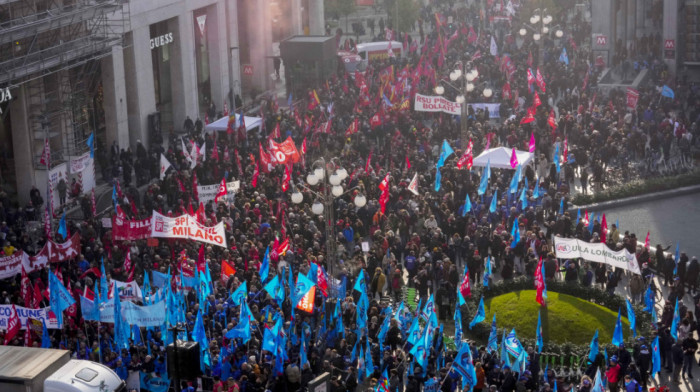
320	173
453	76
312	179
547	19
458	72
317	208
460	99
334	179
523	31
342	173
470	76
475	73
470	87
337	190
534	19
545	30
488	92
360	200
297	197
559	33
439	90
536	36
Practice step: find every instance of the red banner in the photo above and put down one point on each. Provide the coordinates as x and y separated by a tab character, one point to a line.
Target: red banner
126	230
632	98
65	251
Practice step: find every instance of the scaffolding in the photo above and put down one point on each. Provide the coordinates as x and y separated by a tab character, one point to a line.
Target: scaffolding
53	48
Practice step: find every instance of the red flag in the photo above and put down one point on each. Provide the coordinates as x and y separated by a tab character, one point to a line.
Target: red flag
530	78
13	325
201	261
256	173
465	288
223	191
303	147
604	229
201	214
195	192
286	178
383	198
566	149
353	128
646	241
529	59
322	281
369	161
46	154
539	284
276	132
552	121
385	182
26	289
537	102
215	152
72	310
128	266
408	163
28	341
375	121
529	117
206	119
471	37
36	302
283	247
506	91
88	293
540	82
226	271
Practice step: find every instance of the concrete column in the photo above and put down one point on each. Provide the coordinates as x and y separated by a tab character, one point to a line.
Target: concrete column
317	22
140	90
183	71
233	50
631	16
670	31
218	59
22	146
260	46
115	100
602	25
639	28
297	27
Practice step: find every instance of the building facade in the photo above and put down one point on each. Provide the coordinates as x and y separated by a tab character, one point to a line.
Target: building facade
128	71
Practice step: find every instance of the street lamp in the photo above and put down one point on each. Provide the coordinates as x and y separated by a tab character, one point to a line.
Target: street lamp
468	86
543	19
329	188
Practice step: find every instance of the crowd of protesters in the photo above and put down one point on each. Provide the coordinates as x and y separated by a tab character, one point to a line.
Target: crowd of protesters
422	240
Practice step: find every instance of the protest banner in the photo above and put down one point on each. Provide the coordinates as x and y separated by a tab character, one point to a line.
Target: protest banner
208	192
571	248
494	108
12	265
127	291
154	384
144	316
43	314
428	103
78	164
187	227
65	251
130	230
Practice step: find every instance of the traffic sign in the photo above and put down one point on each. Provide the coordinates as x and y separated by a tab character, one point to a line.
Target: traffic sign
601	40
247	69
670	44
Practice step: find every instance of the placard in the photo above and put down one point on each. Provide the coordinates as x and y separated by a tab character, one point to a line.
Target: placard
571	248
208	192
428	103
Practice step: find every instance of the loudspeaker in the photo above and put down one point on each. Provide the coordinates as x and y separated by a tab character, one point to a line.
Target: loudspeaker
187	360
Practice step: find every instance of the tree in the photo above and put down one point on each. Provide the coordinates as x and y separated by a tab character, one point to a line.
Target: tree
338	8
405	10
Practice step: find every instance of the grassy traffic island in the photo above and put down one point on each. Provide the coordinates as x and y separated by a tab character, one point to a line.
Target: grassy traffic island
565	319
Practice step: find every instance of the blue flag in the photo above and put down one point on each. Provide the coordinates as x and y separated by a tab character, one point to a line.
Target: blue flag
369	366
504	348
45	338
241	292
536	191
494	201
540	339
62	228
563	57
467	206
667	92
458	327
487	271
556	157
648	299
199	336
617	338
632	319
265	267
114	197
485	174
513	345
523	199
272	287
593	348
492	343
290	103
103	280
480	314
146	292
515	180
591	222
242	329
302	287
578	216
655	357
464	366
561	206
304	360
438	179
676	322
60	298
445	152
414	333
360	283
677	258
91	143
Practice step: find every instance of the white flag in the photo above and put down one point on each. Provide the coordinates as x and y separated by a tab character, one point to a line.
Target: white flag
413	186
203	151
193	155
164	166
494	48
185	152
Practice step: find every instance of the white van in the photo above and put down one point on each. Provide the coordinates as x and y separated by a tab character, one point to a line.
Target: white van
373	51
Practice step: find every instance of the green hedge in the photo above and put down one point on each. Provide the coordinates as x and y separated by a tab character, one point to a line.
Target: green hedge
639	187
481	331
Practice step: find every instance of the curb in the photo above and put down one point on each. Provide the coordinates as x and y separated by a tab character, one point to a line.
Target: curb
640	199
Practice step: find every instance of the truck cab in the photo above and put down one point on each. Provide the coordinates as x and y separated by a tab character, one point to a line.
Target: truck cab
84	376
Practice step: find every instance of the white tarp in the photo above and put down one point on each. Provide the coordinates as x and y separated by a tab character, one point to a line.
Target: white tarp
499	158
222	123
571	248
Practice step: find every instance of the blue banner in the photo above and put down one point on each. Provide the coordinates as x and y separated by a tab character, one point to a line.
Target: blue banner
154	384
